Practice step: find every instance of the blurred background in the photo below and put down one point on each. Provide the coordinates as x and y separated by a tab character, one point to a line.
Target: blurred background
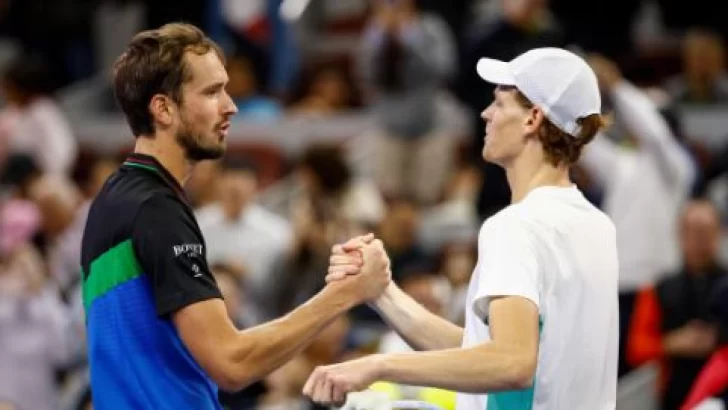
363	116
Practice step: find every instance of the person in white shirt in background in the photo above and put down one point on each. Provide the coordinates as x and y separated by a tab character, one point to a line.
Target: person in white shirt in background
33	122
244	235
541	326
645	184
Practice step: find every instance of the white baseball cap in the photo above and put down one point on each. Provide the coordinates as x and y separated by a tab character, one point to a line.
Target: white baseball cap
556	80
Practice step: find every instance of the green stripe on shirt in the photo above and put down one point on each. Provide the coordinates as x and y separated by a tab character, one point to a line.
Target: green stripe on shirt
111	269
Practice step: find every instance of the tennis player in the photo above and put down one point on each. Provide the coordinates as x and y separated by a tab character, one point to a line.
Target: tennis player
541	325
159	336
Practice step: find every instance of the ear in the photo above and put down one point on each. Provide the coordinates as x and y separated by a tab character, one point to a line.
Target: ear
162	109
534	119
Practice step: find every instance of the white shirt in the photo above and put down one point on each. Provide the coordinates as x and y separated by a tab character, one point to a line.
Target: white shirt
559	251
644	189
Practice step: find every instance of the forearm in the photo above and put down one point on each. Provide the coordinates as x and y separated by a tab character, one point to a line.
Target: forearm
479	369
419	327
266	347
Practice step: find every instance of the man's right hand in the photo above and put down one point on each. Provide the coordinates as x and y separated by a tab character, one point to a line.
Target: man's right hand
373	277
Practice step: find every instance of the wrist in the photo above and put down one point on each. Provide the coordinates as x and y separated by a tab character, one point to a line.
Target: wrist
387	297
339	299
380	367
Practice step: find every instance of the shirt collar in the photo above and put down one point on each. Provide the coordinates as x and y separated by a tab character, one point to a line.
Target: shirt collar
149	163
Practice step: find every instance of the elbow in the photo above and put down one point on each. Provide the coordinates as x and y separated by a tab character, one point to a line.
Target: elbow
521	373
232	380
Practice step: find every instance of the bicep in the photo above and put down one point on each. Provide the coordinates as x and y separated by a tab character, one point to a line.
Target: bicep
514	321
210	336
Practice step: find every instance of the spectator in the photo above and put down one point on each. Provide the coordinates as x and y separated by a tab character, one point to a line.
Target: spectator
243	234
33	122
34	327
326	90
672	320
704	79
644	182
406	59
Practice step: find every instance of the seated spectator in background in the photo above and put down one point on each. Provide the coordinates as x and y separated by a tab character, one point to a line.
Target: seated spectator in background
202	187
243	89
407	57
458	263
710	390
64	215
244	235
704	79
398	231
327	205
673	322
34	324
325	90
33	122
329	183
644	184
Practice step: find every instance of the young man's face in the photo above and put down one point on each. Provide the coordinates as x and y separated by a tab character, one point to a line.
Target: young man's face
205	109
505	127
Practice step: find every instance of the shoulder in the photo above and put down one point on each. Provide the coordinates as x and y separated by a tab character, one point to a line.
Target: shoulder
512	225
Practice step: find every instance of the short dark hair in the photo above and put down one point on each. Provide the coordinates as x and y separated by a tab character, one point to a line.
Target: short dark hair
560	147
153	63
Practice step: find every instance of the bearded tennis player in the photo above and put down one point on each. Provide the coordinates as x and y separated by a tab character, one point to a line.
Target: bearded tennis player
541	325
159	336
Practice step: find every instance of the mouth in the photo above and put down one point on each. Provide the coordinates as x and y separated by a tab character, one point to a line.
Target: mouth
224	128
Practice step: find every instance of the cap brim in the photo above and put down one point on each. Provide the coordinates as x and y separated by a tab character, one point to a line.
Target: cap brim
495	71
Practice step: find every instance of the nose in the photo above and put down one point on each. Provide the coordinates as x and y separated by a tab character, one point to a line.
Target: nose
229	107
487	113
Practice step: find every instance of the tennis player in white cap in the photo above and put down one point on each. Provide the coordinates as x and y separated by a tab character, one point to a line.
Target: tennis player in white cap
541	326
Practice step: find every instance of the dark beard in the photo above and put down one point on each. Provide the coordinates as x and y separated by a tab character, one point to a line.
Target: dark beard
195	151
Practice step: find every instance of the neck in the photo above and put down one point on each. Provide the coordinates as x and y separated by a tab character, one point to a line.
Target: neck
525	175
170	155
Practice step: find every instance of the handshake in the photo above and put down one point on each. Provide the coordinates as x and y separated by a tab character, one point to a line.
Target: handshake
360	269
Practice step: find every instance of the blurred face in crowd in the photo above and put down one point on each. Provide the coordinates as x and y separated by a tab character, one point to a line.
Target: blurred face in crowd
703	57
505	130
204	181
459	264
700	235
399	227
521	11
331	86
203	116
242	80
237	190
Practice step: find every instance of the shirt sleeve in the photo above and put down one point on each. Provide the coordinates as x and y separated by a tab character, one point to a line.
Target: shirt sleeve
508	265
170	249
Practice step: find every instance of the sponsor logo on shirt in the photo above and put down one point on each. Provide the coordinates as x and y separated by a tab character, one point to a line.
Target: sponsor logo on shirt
188	249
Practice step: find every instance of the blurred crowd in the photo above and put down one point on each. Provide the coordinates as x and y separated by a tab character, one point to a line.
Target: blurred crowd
420	187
